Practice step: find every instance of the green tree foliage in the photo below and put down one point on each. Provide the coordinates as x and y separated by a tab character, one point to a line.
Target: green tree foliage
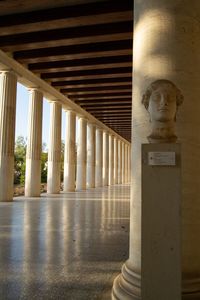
20	160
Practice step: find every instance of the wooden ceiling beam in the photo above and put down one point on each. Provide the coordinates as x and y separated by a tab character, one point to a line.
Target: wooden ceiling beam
116	118
106	107
43	24
98	89
88	50
86	62
85	77
100	94
97	92
93	82
82	73
37	11
67	36
94	103
109	110
103	98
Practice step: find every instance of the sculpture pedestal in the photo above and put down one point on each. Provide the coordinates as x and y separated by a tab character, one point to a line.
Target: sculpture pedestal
161	222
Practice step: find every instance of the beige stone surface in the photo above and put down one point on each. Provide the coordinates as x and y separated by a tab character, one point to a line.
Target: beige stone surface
123	162
115	160
105	158
91	154
111	160
166	45
70	152
8	83
54	152
99	158
119	161
161	222
81	154
34	144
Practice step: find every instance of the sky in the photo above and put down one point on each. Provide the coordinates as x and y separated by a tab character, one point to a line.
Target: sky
22	116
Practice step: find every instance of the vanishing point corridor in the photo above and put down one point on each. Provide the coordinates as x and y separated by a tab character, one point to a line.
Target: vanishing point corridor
65	246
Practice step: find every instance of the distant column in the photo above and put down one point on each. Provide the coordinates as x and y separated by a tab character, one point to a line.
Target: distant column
8	83
129	164
115	160
54	153
81	154
91	153
126	163
111	159
105	157
119	162
123	162
70	152
99	157
34	144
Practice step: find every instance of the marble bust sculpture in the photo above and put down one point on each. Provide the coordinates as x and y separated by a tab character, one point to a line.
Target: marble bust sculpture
161	99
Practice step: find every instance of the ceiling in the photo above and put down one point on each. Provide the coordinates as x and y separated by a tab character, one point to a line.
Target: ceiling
82	48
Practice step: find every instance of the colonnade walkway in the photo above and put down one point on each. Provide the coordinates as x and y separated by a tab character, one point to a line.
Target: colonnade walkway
66	246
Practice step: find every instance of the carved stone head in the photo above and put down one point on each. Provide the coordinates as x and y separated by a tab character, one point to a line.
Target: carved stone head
161	100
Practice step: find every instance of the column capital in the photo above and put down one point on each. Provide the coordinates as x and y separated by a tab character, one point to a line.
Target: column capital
54	101
92	124
82	117
99	128
35	89
69	110
8	71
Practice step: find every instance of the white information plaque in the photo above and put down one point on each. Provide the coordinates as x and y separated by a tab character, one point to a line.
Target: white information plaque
161	158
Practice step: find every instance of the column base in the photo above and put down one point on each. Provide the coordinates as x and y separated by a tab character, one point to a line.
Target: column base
127	285
69	190
6	178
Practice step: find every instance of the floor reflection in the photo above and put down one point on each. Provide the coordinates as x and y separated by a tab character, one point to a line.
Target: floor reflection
67	246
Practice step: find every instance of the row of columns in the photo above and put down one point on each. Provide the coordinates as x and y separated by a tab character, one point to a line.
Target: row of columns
102	159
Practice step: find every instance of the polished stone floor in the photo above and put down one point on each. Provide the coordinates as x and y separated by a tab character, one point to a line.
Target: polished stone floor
68	246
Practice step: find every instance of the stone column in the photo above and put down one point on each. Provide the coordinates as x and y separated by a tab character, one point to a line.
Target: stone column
111	160
8	84
115	160
70	152
99	158
166	46
34	144
54	153
81	154
123	162
129	164
105	157
91	154
119	162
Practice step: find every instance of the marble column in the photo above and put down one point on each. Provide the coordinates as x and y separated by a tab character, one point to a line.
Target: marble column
8	84
99	158
91	154
81	154
34	144
70	152
129	164
123	162
115	160
119	162
54	153
111	159
166	46
105	157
